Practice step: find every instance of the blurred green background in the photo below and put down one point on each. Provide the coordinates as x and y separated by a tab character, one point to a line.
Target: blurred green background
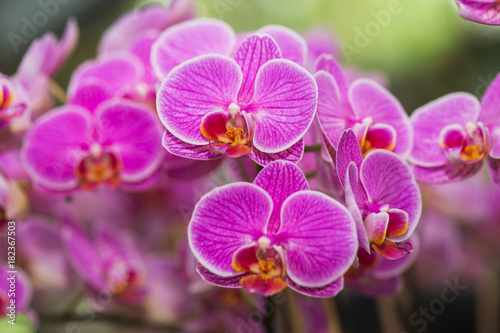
424	47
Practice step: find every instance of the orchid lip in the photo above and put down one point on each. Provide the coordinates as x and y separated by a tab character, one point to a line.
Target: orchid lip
228	132
466	145
265	266
98	168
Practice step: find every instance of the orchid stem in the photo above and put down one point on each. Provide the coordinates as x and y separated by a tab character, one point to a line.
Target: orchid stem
243	171
294	313
389	320
57	91
488	304
333	316
312	148
311	174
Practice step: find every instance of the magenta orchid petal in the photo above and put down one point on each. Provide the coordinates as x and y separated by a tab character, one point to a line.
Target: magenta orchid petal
327	63
117	71
353	195
481	11
293	46
195	88
389	181
280	180
132	25
293	154
446	173
252	54
82	255
330	290
178	147
348	151
217	280
241	216
320	238
90	94
205	36
494	168
429	120
46	55
55	145
283	105
490	115
135	134
369	100
334	116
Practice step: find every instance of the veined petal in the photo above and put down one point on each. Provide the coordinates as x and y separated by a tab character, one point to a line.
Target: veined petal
55	145
447	173
180	148
348	151
280	179
370	100
329	290
252	54
327	63
354	197
194	89
293	46
226	219
319	237
293	154
283	105
490	114
226	282
334	115
188	40
135	134
429	120
389	181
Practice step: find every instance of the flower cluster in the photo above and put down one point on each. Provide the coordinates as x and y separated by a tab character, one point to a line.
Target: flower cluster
112	181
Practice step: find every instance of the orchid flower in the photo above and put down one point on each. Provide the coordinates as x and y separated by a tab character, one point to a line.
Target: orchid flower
481	11
70	148
113	75
275	232
111	264
41	62
256	104
381	194
14	101
454	134
376	117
